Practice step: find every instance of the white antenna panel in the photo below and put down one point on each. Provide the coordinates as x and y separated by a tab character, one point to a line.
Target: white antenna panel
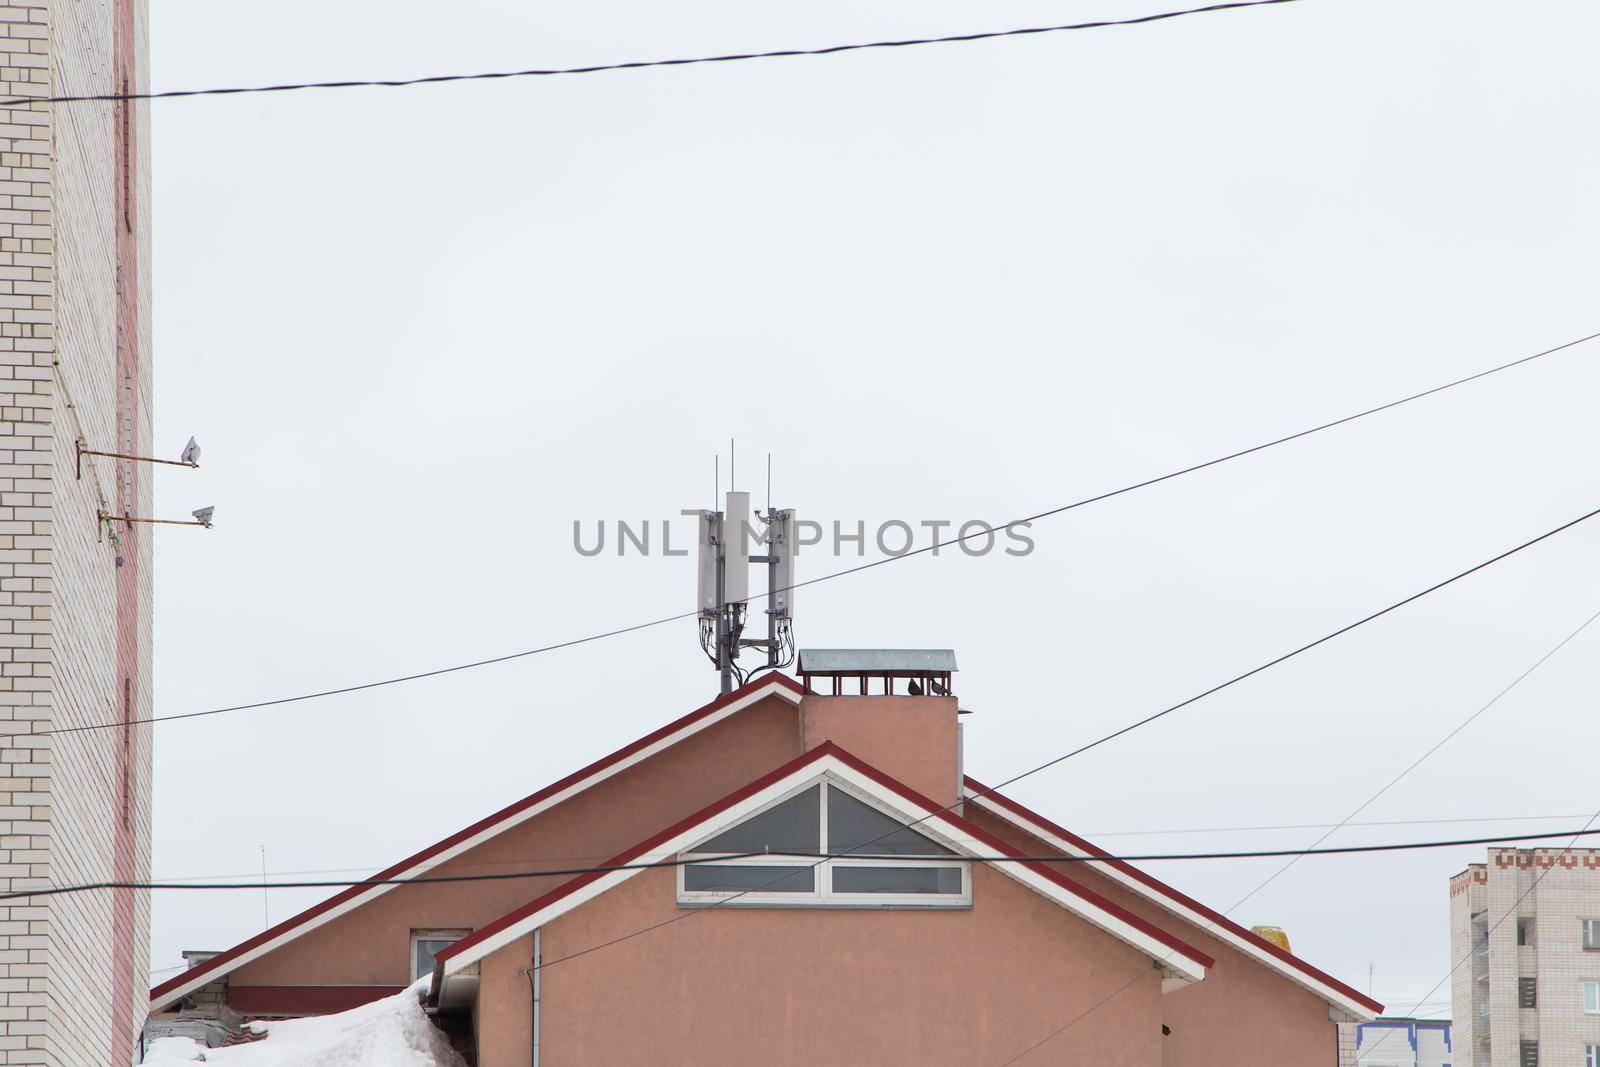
706	586
736	549
783	548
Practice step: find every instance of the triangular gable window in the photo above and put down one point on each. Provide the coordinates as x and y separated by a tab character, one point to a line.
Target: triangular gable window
823	845
793	826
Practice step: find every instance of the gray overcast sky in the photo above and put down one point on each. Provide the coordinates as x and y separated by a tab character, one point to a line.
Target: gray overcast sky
419	332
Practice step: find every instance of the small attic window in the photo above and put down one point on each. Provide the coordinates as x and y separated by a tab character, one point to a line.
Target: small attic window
898	866
425	944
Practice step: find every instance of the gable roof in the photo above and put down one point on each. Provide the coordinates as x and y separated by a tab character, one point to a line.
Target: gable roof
420	863
1216	924
1175	957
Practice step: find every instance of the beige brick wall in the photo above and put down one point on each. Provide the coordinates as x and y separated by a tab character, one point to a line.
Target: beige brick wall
1556	889
63	806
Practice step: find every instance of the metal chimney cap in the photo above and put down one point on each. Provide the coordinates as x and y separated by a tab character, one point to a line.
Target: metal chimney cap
877	661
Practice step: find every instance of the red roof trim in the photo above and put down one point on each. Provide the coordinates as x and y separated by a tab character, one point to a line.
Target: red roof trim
219	960
1167	891
827	748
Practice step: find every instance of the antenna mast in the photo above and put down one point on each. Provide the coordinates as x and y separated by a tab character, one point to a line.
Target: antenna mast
724	559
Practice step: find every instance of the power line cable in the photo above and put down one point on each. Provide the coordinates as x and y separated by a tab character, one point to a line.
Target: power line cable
546	72
1092	835
820	857
960	539
1102	1002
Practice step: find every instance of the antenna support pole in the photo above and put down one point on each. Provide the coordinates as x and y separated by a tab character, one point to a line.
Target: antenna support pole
725	650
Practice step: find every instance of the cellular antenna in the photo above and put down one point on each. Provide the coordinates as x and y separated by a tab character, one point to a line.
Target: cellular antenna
722	594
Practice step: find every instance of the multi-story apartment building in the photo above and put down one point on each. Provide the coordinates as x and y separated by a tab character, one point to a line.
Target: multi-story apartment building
74	590
1525	958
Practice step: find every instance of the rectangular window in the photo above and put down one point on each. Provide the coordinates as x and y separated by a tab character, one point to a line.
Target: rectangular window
1591	1056
1591	998
1591	935
1528	992
1530	1054
1525	931
425	944
747	878
852	879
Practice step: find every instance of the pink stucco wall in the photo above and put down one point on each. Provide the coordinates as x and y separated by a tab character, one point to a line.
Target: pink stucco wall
371	945
912	739
738	986
843	986
1242	1015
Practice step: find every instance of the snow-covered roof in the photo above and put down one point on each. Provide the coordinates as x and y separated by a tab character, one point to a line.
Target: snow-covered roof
394	1031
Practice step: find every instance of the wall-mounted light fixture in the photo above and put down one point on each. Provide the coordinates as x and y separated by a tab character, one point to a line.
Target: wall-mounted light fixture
190	456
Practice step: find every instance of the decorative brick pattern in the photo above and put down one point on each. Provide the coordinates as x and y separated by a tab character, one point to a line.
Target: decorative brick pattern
74	624
1549	892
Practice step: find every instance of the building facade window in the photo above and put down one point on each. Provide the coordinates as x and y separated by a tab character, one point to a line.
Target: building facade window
1528	992
425	944
1591	935
1591	998
774	857
1591	1056
1525	930
1530	1054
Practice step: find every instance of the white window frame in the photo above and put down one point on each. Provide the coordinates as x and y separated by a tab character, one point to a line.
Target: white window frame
452	935
1591	1056
1590	985
822	894
1591	935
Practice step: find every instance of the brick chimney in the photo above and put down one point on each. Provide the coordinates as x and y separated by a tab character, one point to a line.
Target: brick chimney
893	708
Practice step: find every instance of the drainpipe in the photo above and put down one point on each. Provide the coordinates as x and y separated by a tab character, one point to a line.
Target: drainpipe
538	959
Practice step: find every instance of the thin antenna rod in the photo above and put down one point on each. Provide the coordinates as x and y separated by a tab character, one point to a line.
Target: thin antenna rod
769	488
266	912
716	480
732	481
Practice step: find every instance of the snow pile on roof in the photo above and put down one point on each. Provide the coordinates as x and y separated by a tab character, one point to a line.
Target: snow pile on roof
393	1032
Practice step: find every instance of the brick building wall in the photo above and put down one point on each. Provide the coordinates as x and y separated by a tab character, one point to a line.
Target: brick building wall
1548	893
74	622
1468	968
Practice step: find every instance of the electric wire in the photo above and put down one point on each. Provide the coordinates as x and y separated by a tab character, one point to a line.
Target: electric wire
960	539
546	72
1091	834
819	857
